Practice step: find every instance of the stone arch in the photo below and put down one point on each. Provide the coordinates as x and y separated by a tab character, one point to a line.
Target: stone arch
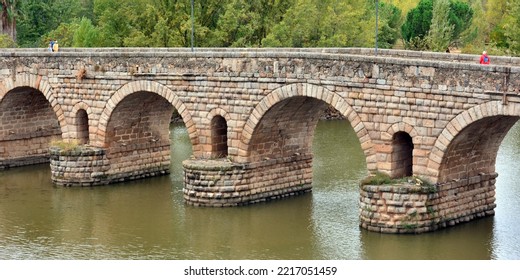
74	127
213	148
31	120
36	82
314	91
402	137
146	86
400	126
484	127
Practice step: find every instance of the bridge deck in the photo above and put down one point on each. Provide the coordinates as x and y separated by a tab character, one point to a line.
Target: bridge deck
334	53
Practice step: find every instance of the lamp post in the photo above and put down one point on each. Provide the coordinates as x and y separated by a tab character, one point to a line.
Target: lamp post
192	26
377	19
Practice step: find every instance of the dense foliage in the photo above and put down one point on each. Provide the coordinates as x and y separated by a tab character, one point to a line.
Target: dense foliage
470	25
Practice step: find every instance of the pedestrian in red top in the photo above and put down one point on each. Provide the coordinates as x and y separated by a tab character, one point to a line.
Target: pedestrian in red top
484	58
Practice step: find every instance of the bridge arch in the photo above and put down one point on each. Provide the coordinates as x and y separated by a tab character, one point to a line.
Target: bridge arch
403	139
219	133
37	83
469	143
309	92
30	120
145	86
81	123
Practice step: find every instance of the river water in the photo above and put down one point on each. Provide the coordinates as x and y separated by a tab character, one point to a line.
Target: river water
147	219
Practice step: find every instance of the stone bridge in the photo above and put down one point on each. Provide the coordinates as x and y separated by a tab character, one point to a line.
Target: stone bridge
251	115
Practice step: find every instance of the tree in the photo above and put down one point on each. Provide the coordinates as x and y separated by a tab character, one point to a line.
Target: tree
441	30
417	31
460	17
298	27
36	19
389	24
323	23
418	21
86	34
8	18
239	26
64	34
512	28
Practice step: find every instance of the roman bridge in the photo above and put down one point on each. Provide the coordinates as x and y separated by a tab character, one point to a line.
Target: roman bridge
102	116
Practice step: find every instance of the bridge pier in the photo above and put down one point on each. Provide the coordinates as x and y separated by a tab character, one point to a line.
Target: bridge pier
407	208
221	183
89	166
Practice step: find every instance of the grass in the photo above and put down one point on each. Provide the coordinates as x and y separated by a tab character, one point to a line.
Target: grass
65	145
380	178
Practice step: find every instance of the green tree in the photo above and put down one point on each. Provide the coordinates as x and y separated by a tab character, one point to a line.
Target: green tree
114	19
64	34
326	23
441	29
238	26
36	19
417	32
86	34
512	28
8	10
389	25
460	17
299	28
418	21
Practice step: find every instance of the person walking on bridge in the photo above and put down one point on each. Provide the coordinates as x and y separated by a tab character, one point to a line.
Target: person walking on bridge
484	58
55	47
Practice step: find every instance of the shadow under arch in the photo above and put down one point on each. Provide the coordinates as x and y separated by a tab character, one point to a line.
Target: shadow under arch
145	86
81	123
469	144
31	119
306	97
37	83
218	129
402	137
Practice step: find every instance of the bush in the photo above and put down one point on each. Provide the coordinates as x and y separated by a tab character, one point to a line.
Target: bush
6	41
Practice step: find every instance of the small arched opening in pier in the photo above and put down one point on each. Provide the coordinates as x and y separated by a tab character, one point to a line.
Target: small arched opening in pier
219	146
82	127
402	155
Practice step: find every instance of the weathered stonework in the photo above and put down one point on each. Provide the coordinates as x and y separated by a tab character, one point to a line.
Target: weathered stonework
255	110
221	183
407	208
82	166
90	166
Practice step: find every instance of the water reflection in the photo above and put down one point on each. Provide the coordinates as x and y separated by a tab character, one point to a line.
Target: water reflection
147	219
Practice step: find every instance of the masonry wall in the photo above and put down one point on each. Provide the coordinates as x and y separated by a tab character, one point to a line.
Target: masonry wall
408	208
80	166
219	183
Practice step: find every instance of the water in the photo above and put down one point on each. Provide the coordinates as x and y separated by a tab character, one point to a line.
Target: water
147	219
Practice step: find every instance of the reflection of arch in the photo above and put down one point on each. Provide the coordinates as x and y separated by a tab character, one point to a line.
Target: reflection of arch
219	132
145	86
35	82
480	130
313	91
81	122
